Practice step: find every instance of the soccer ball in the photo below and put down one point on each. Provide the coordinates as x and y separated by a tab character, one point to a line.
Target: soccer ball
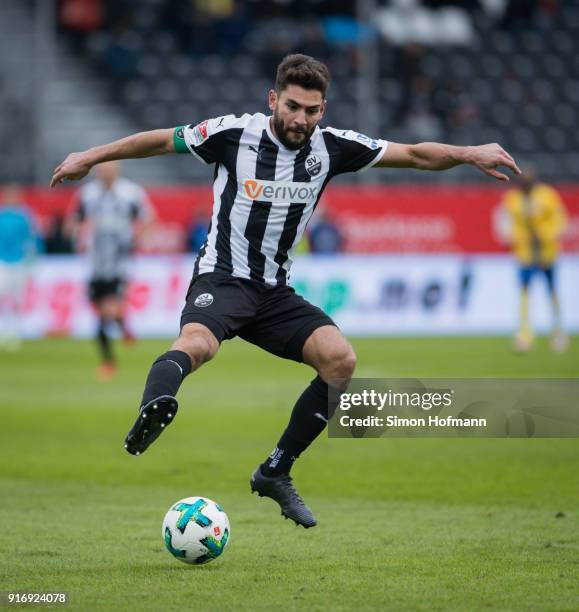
196	530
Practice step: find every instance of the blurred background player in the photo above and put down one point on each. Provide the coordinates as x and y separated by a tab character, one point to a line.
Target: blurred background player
325	236
110	215
17	247
531	220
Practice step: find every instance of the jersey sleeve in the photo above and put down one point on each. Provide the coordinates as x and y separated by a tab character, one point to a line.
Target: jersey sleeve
351	151
206	140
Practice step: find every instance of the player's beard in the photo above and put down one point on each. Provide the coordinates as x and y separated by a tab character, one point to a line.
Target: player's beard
281	132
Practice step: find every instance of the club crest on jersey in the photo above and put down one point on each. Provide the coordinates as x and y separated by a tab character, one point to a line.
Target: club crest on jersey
313	165
203	300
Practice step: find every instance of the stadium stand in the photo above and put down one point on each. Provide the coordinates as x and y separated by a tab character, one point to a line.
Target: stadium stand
465	72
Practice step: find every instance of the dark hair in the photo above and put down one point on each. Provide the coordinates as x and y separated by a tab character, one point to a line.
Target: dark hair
302	70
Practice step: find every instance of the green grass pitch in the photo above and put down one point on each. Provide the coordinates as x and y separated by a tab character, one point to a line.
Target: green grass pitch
405	524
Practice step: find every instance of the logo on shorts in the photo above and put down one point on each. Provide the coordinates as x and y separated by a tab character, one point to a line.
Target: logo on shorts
203	300
313	165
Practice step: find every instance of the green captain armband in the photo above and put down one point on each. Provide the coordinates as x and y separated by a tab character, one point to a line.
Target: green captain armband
179	140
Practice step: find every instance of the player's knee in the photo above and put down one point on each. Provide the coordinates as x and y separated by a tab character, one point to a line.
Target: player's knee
198	342
203	346
340	362
347	363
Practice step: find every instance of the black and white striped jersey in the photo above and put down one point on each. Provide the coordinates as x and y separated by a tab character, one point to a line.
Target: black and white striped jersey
264	193
112	214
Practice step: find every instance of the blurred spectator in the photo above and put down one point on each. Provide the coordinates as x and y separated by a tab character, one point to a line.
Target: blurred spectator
300	8
80	17
216	9
421	120
57	240
197	232
278	45
121	54
531	220
325	236
408	63
17	247
204	28
519	14
194	29
232	28
403	21
313	41
343	31
458	111
407	68
467	5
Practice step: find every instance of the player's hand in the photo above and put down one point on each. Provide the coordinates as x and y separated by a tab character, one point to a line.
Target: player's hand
73	168
488	157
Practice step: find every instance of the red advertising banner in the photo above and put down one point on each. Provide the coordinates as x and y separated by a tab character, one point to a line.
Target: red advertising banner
398	218
429	219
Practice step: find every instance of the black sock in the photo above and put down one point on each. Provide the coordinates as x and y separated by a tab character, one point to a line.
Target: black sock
166	375
308	420
104	342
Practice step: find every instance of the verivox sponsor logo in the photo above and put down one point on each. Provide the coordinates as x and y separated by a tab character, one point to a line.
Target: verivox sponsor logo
278	191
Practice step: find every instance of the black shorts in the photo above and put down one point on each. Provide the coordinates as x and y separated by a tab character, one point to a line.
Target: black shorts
274	318
98	288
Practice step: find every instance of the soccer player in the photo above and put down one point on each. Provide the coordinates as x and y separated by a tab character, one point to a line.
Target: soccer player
17	247
269	174
531	220
112	211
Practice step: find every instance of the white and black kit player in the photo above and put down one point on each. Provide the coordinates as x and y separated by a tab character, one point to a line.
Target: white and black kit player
111	209
269	174
264	194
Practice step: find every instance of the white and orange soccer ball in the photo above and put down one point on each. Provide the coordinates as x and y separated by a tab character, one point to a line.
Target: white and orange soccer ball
196	530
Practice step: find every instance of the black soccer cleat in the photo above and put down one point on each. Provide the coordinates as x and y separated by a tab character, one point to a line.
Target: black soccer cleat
281	490
153	418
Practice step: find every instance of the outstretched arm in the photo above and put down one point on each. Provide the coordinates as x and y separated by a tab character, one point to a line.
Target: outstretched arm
143	144
435	156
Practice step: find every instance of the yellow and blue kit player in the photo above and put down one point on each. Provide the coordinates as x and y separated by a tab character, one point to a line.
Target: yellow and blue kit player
532	219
